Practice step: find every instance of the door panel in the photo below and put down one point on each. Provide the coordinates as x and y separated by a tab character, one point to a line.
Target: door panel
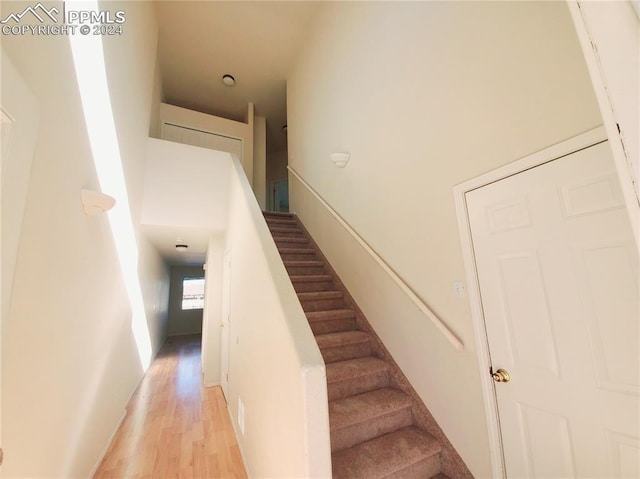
558	275
203	139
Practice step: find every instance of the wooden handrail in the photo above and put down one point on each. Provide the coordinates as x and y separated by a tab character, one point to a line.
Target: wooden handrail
439	324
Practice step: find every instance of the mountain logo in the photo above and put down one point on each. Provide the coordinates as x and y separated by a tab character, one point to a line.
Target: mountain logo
38	11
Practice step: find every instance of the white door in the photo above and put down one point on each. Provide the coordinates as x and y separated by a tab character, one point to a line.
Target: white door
203	139
224	325
558	273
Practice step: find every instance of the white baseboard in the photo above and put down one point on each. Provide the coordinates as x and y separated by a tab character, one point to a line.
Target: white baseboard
211	384
94	469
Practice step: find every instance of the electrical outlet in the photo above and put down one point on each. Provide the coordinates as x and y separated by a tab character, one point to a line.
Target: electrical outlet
458	289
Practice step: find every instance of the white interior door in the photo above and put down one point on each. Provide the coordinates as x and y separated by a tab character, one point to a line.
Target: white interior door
203	139
224	325
558	273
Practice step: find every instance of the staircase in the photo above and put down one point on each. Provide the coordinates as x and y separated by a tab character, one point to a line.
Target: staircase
378	424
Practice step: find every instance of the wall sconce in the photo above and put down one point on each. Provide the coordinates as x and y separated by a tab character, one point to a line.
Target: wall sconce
340	159
95	202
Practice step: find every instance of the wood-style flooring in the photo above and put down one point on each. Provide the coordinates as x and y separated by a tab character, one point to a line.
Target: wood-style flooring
174	427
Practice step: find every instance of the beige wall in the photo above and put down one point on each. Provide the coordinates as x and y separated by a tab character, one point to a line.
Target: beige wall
69	357
188	321
424	96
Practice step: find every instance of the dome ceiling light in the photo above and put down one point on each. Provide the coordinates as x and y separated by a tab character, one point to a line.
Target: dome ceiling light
228	80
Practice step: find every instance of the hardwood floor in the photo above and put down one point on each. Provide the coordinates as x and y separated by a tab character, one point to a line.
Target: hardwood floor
174	428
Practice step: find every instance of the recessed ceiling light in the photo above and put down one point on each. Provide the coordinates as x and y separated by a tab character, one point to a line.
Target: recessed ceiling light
228	80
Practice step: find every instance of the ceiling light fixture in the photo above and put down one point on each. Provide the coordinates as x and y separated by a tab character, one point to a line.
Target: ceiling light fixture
228	80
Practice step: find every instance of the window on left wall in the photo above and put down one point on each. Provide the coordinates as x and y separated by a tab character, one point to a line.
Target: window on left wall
193	293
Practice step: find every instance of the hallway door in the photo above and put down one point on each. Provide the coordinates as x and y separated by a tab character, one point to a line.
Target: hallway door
557	268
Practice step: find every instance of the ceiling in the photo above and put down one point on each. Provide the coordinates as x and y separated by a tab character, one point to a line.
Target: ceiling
255	41
200	41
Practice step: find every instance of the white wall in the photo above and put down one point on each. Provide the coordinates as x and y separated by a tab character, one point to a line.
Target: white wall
183	321
69	358
185	186
275	367
425	95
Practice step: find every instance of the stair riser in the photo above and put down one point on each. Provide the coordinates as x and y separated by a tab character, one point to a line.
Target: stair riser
278	215
349	351
302	270
286	232
301	287
326	326
322	304
277	224
357	385
426	468
298	256
287	242
356	433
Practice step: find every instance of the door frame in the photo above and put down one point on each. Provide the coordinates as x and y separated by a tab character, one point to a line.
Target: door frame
589	138
225	322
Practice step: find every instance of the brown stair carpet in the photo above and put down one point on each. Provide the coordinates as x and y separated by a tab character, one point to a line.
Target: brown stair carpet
379	427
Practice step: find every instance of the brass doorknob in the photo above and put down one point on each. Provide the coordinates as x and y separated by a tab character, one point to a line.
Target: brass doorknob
501	376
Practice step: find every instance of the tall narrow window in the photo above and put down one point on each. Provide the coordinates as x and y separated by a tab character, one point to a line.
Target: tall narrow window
192	293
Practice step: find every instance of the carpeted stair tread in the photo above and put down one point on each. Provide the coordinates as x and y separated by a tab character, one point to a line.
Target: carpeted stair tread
297	267
281	221
355	367
355	376
302	254
340	346
331	321
289	239
330	340
286	231
321	300
311	278
309	251
353	409
408	453
365	416
314	295
279	224
331	314
298	262
312	282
